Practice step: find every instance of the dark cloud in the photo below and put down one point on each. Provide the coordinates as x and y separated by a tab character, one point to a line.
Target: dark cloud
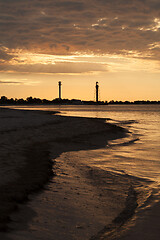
70	5
67	26
4	56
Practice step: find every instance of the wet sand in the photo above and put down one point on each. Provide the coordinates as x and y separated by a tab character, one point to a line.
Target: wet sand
146	226
25	152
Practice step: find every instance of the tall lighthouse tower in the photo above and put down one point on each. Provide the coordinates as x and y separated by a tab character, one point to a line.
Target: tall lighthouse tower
59	84
97	92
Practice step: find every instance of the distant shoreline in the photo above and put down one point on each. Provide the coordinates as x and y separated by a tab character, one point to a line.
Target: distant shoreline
83	104
37	101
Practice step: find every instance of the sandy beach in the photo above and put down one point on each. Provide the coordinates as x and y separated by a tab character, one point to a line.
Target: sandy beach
31	141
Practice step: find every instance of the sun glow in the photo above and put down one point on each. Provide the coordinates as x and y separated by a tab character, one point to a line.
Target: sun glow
33	58
134	61
155	26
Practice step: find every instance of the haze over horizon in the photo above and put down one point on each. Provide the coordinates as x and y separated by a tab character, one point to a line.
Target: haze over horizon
79	42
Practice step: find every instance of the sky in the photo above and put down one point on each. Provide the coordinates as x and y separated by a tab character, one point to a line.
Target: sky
80	42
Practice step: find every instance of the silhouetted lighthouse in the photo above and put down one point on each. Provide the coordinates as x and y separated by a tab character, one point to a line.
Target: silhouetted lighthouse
97	88
59	84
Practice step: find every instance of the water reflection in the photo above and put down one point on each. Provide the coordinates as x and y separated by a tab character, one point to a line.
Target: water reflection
136	155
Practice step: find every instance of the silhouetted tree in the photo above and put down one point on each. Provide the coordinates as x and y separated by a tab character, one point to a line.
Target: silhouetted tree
3	99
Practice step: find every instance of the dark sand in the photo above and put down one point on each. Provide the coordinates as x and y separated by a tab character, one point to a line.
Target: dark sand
30	139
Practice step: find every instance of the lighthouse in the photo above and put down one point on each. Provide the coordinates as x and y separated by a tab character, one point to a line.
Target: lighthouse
59	84
97	94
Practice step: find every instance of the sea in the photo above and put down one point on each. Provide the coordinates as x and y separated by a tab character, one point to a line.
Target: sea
133	160
141	157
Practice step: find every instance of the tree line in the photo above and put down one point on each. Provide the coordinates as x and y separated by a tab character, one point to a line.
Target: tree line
30	100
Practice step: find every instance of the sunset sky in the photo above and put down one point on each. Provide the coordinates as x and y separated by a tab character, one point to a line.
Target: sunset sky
79	42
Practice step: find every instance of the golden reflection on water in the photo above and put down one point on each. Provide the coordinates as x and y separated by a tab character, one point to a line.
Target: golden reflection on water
139	158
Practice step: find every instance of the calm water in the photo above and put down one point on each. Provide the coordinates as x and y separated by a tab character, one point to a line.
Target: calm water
139	158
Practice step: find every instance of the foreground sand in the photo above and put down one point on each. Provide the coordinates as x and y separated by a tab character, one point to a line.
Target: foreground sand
25	157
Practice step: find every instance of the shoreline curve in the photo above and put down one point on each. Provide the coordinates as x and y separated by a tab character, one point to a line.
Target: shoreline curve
35	170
